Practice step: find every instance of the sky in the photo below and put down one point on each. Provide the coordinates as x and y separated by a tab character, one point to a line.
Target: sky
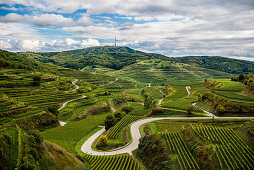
170	27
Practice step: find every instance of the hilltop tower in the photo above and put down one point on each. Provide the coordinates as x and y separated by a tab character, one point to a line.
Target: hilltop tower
115	40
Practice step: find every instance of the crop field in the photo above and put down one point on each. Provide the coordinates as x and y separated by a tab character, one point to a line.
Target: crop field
177	126
165	72
119	85
114	131
116	162
135	93
232	95
176	145
13	149
23	99
230	149
228	85
68	135
93	78
179	99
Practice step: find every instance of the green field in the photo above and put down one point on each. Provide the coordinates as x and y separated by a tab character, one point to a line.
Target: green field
68	135
191	143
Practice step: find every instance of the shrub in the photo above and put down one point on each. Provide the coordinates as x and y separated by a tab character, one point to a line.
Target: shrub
53	110
190	109
152	151
102	142
127	109
37	80
109	122
119	115
157	110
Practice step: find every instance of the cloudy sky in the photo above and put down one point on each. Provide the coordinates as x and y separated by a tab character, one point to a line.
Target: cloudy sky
170	27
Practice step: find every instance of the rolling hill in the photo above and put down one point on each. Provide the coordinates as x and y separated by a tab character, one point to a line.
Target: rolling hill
144	68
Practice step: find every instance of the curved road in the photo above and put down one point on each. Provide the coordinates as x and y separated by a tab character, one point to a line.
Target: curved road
135	134
76	87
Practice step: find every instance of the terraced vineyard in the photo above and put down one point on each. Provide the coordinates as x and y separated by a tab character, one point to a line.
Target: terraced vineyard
116	162
179	99
20	98
114	131
176	145
230	150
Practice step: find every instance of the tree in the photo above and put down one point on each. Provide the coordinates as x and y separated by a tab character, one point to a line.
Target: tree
127	109
152	151
190	109
119	115
241	77
109	122
53	110
103	141
149	102
37	80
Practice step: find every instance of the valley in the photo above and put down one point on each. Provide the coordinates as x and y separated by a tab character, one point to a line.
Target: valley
118	108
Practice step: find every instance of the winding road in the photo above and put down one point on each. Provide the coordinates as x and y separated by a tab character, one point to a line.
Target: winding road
135	133
76	88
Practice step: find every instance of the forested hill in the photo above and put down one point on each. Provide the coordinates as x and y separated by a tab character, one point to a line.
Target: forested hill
224	64
119	57
107	56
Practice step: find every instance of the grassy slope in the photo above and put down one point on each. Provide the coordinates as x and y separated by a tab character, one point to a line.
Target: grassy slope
68	135
159	72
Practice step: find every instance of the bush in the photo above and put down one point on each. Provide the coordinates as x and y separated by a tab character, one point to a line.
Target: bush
152	151
157	110
127	109
109	122
190	109
149	102
102	142
37	80
53	110
119	115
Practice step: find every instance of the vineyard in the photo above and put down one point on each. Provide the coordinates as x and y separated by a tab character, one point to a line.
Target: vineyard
176	145
179	99
114	132
116	162
230	150
21	98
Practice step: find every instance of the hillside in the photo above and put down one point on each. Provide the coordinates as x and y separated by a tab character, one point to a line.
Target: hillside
161	72
33	128
224	64
140	67
107	56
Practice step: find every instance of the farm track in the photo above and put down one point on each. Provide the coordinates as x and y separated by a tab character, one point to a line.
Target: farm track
64	104
77	87
135	134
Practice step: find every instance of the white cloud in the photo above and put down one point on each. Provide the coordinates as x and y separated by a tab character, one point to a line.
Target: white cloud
172	27
53	45
31	45
5	44
89	43
17	31
40	20
84	20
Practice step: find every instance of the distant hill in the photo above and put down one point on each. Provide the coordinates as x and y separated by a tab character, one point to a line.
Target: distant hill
119	57
107	56
224	64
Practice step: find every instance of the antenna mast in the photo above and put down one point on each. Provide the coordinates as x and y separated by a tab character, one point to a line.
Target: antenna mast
115	40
